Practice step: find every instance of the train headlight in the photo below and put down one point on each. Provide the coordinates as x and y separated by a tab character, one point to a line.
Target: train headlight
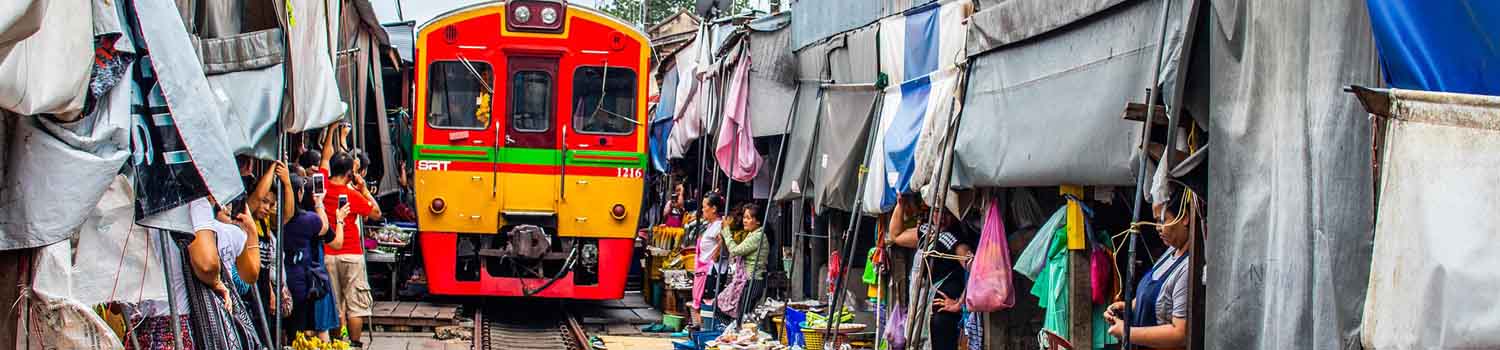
522	14
549	15
438	206
618	212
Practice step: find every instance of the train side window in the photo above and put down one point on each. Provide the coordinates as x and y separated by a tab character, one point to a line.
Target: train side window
456	98
531	101
604	100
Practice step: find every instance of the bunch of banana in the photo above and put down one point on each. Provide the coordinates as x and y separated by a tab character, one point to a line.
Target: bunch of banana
304	342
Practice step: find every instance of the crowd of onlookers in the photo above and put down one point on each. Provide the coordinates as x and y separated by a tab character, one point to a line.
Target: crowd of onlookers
228	287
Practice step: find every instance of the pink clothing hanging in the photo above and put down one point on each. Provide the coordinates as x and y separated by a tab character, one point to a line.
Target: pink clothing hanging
736	148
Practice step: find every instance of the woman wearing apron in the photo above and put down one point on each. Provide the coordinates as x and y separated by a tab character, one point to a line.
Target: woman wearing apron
1158	314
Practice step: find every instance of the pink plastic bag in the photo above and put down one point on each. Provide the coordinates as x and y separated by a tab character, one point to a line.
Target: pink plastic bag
990	287
895	327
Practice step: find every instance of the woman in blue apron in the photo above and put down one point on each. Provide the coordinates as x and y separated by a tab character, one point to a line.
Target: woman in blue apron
1159	311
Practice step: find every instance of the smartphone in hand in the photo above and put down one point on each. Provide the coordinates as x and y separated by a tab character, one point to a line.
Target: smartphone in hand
317	182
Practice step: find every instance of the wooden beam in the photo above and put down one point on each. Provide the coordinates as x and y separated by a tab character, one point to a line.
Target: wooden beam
1080	307
1137	112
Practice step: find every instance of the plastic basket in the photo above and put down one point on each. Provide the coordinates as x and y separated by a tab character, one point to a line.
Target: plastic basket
780	328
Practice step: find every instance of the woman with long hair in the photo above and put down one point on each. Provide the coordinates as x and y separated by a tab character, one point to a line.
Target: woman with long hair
313	307
749	253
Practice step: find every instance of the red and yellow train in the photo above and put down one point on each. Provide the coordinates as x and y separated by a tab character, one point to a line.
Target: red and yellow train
530	149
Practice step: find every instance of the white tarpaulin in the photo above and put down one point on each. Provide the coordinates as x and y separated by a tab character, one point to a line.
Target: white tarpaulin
52	318
254	100
120	260
315	90
1432	274
919	52
687	122
53	173
19	19
48	72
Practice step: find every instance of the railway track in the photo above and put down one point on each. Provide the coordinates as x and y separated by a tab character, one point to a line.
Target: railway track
531	327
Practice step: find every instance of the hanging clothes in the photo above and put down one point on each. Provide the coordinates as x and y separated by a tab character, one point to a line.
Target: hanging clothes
736	147
1052	291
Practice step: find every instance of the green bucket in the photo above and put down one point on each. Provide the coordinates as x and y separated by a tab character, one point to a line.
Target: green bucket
672	321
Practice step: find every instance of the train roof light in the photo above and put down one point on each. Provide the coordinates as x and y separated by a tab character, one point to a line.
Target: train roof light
522	14
521	11
549	15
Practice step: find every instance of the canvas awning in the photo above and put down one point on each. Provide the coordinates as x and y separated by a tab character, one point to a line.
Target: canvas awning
1046	111
1291	220
811	63
848	112
401	35
772	74
845	59
1435	222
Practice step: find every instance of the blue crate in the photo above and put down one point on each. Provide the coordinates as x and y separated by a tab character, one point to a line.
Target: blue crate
700	339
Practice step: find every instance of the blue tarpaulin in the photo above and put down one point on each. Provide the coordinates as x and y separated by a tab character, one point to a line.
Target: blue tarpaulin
1450	46
661	123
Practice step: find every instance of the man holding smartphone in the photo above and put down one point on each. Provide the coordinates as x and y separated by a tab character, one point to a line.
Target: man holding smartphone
346	264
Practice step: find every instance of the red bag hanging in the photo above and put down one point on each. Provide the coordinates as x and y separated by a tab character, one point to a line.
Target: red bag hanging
990	287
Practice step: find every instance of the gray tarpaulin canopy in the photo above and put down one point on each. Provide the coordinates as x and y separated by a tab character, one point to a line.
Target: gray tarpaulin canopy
401	38
810	70
772	74
847	58
847	112
814	21
1043	111
1289	235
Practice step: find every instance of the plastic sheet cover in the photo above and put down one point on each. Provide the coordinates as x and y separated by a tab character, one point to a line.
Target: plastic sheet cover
1432	275
1439	45
1288	245
794	175
773	74
1024	123
48	70
847	110
815	20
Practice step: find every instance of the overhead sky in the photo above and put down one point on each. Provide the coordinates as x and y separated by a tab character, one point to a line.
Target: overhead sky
423	10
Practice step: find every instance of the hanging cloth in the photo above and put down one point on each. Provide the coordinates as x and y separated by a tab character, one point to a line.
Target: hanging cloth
736	148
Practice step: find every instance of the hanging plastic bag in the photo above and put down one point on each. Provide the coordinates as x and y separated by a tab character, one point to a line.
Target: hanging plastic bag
895	327
1102	272
990	287
1034	258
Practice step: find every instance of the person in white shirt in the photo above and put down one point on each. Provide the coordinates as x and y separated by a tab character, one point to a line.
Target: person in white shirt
707	250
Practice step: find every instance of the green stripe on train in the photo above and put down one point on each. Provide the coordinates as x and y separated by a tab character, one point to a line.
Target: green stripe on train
530	156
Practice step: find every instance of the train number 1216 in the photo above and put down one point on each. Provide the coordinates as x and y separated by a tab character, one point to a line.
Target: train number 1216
628	173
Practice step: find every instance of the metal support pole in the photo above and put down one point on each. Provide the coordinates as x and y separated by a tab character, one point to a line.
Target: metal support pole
1140	179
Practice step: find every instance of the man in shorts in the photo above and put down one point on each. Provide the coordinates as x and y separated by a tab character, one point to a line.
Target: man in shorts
346	265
